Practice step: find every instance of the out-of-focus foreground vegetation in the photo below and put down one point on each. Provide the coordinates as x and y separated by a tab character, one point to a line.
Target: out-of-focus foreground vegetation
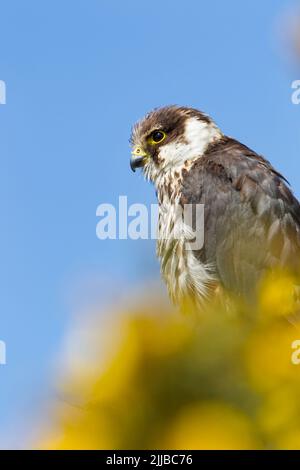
152	378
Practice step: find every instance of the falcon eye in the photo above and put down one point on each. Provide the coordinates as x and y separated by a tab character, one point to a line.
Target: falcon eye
157	137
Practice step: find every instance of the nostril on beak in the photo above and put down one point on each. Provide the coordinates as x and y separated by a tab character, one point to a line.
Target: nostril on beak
137	158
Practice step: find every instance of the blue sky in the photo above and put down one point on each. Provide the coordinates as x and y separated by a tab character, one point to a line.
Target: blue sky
78	74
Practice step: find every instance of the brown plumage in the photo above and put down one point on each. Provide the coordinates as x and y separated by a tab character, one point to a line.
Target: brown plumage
252	220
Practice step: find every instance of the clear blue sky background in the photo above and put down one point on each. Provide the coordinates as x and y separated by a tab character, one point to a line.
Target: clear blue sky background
78	74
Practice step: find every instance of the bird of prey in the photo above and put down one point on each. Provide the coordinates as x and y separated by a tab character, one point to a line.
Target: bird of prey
251	218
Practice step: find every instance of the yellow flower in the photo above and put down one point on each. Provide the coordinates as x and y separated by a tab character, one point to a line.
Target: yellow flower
268	356
158	380
277	294
212	425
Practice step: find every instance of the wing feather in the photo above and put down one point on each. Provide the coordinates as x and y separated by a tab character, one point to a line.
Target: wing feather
252	219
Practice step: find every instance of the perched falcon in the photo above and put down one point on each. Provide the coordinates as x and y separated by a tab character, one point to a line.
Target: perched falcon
251	218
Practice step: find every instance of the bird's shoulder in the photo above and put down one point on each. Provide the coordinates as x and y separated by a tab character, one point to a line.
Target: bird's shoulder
228	167
252	219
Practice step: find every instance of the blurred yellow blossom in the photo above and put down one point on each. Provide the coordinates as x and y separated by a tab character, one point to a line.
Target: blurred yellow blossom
277	294
212	426
268	356
150	378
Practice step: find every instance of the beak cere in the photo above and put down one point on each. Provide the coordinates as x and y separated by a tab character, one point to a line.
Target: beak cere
137	158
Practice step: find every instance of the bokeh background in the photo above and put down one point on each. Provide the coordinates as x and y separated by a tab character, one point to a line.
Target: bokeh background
78	74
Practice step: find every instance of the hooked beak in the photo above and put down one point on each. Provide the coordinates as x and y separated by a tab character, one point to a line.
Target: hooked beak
137	158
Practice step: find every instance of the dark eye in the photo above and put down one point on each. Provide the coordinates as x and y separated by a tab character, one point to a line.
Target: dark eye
157	136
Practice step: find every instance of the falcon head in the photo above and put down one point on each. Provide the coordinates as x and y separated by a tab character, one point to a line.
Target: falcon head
168	137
